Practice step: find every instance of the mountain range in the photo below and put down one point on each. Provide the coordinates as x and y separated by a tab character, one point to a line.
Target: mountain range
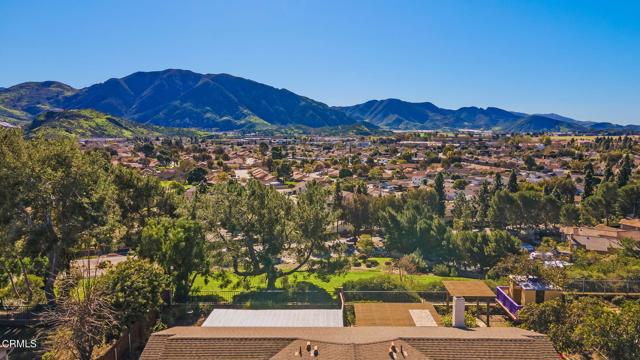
182	98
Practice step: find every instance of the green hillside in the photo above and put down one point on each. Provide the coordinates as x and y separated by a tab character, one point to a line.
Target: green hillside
14	117
94	124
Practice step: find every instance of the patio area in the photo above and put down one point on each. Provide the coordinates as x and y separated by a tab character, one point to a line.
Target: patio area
396	314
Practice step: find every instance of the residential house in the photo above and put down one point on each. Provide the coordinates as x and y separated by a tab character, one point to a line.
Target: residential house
347	343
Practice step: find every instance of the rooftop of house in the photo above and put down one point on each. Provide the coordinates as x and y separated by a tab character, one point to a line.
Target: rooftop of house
369	343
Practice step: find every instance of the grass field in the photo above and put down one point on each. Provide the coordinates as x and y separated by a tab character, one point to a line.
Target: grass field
328	283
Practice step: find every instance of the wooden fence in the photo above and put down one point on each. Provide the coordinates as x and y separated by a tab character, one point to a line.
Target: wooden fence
132	339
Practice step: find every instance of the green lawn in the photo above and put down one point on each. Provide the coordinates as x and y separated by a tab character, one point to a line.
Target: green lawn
329	284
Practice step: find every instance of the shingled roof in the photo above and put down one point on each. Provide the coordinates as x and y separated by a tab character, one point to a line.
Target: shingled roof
349	343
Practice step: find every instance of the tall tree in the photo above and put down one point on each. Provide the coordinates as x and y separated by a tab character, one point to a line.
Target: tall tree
512	185
180	247
482	200
497	183
439	188
629	200
569	215
337	195
624	174
589	181
257	227
357	212
133	288
608	173
63	198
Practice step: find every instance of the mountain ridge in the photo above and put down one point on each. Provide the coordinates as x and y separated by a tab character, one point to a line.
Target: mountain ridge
223	102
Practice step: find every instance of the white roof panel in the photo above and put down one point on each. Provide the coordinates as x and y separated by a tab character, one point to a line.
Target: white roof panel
274	318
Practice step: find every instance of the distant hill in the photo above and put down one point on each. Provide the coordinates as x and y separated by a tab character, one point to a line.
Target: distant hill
540	123
218	101
402	115
398	114
185	99
14	116
94	124
35	97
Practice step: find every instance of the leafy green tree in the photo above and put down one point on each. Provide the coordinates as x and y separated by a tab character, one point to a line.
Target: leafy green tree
460	184
256	227
530	209
375	173
608	192
439	188
140	198
462	212
589	181
530	162
624	174
197	175
629	200
180	248
357	212
345	173
284	170
416	226
484	249
263	148
497	183
512	185
586	325
592	210
55	196
565	190
502	209
366	246
134	288
569	215
608	173
482	200
277	153
361	188
337	195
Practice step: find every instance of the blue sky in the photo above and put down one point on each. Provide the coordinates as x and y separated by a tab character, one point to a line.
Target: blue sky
575	58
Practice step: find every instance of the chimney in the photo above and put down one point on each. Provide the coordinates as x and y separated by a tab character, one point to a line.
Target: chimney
457	317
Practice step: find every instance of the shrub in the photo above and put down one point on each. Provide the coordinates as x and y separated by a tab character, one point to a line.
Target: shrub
453	272
441	270
469	320
349	315
8	297
379	288
134	287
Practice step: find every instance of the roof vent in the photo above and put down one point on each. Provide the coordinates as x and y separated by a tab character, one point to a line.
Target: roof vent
308	346
316	352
